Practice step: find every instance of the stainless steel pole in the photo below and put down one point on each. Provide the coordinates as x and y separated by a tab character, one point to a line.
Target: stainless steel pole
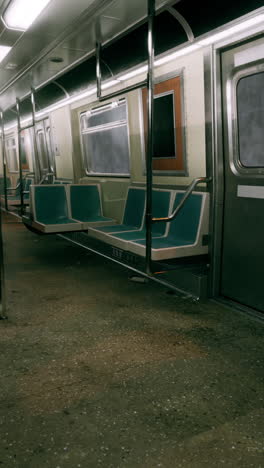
20	157
98	70
37	170
4	158
2	276
150	115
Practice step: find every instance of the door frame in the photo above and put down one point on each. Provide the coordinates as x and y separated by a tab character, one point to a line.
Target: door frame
215	152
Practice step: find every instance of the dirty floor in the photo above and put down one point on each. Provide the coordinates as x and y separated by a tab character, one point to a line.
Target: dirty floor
99	371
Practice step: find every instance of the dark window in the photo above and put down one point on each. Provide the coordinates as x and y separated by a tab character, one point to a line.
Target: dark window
11	155
250	116
164	131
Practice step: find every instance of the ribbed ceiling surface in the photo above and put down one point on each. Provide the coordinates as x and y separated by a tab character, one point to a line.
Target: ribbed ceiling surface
105	20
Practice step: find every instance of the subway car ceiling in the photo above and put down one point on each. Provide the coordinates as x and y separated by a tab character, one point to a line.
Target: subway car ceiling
56	55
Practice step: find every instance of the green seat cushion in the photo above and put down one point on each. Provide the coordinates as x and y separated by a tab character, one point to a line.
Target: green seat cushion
183	229
95	219
116	228
61	220
85	202
51	205
164	242
161	204
133	215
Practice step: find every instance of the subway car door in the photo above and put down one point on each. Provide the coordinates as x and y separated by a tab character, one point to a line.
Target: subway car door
45	151
242	275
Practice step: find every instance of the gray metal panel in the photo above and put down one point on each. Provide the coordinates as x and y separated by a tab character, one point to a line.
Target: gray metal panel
243	230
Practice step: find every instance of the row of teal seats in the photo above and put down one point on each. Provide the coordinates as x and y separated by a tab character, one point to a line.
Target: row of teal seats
2	184
78	207
65	208
13	194
186	235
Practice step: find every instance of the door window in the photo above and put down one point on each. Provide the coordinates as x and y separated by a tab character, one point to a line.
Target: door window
11	155
250	120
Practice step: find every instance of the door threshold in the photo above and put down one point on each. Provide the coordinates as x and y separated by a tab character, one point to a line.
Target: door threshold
228	303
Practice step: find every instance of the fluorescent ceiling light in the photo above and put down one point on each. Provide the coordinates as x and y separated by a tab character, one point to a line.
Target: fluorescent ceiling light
232	30
176	54
20	14
133	73
4	51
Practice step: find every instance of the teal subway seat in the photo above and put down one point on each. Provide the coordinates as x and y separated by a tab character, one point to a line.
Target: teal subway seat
2	185
185	234
161	200
133	217
86	205
50	212
14	197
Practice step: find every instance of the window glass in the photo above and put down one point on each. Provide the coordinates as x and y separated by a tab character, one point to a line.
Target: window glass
164	132
42	150
24	160
50	149
105	140
11	155
250	117
102	117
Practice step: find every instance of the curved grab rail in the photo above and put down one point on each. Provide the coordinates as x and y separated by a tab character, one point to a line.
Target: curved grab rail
195	182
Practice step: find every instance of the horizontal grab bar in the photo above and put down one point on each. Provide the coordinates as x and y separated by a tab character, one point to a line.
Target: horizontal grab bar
195	182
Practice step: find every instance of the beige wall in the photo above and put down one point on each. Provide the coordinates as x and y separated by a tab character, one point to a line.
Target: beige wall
62	138
192	67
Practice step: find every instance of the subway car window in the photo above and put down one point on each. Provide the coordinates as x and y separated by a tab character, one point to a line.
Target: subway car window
168	154
11	155
50	148
164	125
250	117
42	150
24	160
105	140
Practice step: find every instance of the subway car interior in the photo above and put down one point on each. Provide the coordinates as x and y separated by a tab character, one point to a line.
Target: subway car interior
132	143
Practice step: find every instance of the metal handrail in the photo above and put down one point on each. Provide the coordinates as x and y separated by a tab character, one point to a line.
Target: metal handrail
44	177
114	94
9	189
195	182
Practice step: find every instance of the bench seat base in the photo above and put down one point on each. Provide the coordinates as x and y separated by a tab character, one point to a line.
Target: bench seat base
53	228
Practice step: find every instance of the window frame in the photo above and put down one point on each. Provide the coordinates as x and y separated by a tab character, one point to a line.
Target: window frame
25	166
179	122
44	128
232	119
116	124
7	148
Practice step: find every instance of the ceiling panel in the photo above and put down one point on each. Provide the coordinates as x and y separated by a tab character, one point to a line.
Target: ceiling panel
69	29
66	29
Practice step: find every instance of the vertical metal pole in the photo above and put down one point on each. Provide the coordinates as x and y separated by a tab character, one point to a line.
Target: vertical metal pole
20	157
98	70
150	115
37	175
4	158
2	275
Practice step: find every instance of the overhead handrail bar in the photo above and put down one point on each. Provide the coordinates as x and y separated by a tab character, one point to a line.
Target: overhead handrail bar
99	80
194	183
4	158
